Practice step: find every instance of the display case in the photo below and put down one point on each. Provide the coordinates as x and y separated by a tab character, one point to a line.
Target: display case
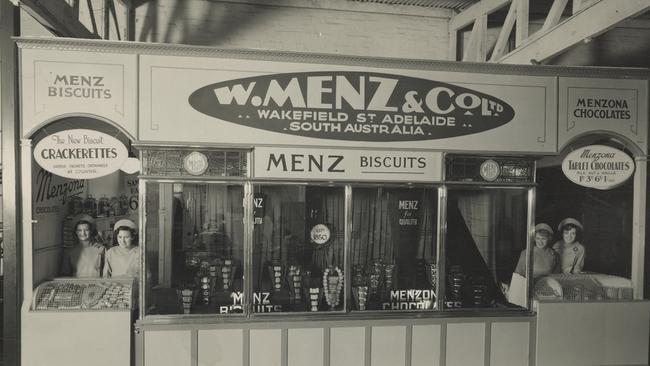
220	242
115	294
582	287
94	315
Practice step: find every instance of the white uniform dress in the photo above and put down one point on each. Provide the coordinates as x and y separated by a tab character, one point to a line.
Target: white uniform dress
122	262
83	261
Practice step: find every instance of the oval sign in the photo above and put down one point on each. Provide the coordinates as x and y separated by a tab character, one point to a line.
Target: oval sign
354	106
320	234
598	166
80	154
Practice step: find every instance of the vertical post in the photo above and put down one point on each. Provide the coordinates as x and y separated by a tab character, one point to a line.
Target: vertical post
638	227
9	26
453	44
249	231
142	288
26	215
347	245
440	248
165	204
530	239
521	25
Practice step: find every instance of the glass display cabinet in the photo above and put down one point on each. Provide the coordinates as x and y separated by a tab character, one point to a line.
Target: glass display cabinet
220	242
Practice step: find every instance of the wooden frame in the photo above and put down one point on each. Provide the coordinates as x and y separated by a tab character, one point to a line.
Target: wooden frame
589	19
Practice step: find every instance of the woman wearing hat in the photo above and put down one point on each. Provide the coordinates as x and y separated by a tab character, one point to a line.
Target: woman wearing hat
545	259
572	253
86	257
123	259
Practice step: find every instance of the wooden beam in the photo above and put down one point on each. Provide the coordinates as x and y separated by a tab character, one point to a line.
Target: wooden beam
639	212
59	17
504	34
469	15
580	4
554	14
521	32
590	22
12	291
453	44
475	48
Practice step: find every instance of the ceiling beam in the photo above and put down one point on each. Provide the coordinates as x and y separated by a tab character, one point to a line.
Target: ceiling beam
59	17
584	25
469	15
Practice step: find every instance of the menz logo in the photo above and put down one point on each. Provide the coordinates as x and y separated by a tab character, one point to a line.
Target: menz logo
354	106
305	163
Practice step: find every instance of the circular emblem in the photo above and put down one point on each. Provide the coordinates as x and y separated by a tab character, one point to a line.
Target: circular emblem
490	170
195	163
320	234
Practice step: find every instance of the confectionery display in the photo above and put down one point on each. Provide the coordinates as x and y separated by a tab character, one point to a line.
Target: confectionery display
295	281
332	285
83	295
314	298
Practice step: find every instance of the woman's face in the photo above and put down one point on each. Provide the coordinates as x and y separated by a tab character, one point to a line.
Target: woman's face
541	240
569	235
83	232
124	238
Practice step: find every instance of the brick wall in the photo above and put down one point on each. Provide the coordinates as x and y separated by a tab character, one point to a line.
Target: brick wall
324	26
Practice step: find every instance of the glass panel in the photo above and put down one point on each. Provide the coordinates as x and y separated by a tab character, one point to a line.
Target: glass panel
486	233
593	235
218	163
298	248
195	248
393	248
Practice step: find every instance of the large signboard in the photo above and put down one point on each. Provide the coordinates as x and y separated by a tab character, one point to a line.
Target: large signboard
613	105
256	102
356	165
598	166
354	106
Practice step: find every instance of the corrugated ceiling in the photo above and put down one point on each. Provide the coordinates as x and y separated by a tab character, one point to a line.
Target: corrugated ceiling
445	4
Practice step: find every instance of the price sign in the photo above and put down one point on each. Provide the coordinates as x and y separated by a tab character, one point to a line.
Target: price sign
598	166
320	234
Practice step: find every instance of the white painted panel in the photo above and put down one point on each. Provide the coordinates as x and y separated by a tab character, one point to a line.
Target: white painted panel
347	346
46	82
168	348
223	347
388	346
305	347
465	344
69	338
509	344
592	333
627	335
265	347
426	345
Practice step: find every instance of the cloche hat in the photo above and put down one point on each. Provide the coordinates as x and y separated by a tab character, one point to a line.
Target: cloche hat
544	227
569	221
83	217
124	222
